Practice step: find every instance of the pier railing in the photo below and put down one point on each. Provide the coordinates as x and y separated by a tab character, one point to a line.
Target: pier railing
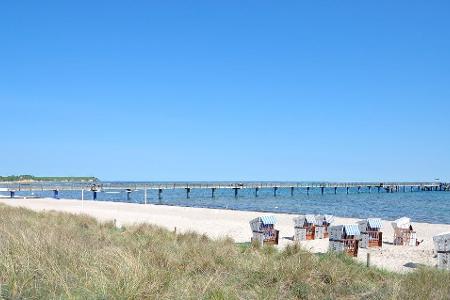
49	186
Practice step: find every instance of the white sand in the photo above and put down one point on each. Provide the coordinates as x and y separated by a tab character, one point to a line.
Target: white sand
220	223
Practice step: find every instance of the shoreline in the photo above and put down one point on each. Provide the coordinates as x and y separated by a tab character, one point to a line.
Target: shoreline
220	223
421	207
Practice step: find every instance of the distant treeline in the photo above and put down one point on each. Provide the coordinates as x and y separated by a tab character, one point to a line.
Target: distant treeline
36	178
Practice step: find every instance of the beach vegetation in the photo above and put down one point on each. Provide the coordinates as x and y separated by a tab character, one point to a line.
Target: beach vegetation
53	255
31	178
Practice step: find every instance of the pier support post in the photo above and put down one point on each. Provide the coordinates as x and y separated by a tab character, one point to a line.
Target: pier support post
322	190
292	191
275	189
256	192
346	190
370	189
235	192
160	194
56	194
307	190
128	195
335	190
94	195
213	191
411	188
188	192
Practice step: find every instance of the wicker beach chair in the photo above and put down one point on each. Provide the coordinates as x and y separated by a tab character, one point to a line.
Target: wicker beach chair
404	235
345	238
263	229
442	248
371	235
325	221
305	227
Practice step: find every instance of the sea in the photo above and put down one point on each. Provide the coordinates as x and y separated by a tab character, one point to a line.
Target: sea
420	206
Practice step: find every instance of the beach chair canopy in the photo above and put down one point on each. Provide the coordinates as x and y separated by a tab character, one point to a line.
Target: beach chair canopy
442	236
374	223
255	224
352	229
328	218
268	220
299	221
402	223
322	219
311	219
302	219
442	242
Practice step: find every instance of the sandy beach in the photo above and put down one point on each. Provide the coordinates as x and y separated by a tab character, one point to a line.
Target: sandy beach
217	223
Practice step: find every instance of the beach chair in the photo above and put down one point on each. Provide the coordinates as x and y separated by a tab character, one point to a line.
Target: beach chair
325	221
345	238
305	227
371	235
263	229
404	235
442	248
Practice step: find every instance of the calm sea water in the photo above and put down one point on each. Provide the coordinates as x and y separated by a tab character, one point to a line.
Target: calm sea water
432	207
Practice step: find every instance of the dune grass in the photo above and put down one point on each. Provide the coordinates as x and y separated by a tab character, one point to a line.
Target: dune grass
56	255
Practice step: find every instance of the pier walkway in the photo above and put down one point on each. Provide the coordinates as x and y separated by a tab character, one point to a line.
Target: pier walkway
390	187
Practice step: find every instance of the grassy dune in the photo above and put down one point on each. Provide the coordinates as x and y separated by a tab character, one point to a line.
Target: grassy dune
57	255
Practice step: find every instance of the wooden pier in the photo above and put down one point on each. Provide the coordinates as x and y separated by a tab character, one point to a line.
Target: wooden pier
389	187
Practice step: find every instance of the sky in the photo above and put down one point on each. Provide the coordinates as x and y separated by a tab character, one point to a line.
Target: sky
226	90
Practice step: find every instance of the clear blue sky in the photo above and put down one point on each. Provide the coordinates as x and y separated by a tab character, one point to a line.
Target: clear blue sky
230	90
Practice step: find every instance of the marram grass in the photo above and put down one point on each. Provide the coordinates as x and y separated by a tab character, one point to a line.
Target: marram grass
62	256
